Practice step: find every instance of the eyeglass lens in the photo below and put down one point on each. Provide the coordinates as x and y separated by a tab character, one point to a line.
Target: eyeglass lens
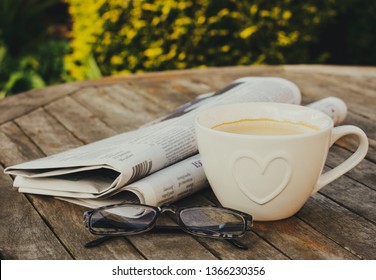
131	219
212	221
122	219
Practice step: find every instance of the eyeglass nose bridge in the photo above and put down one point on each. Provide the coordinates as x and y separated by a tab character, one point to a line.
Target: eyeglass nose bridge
167	208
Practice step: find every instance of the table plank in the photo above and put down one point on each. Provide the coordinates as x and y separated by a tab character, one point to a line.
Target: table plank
50	136
348	193
79	120
168	246
296	239
299	240
19	105
66	220
16	146
23	233
135	106
109	110
364	172
346	228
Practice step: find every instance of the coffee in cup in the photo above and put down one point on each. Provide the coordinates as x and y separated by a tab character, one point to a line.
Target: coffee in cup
264	126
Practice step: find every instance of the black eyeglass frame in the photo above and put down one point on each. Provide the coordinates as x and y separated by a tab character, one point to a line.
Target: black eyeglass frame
246	218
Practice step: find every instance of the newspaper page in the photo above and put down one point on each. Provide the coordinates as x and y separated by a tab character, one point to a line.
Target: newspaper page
102	168
163	187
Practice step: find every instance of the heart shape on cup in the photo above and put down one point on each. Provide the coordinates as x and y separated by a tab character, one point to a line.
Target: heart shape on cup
261	179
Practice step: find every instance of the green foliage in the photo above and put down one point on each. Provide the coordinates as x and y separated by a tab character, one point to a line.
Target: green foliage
126	36
23	24
145	35
28	58
22	76
349	38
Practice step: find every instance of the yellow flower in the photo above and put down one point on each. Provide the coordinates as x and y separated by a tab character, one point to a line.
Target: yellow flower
287	39
264	13
253	10
132	61
149	7
223	12
225	48
286	15
183	21
155	21
181	56
201	20
248	32
116	60
153	52
181	65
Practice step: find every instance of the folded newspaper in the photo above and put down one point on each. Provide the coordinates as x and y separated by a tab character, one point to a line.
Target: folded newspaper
155	164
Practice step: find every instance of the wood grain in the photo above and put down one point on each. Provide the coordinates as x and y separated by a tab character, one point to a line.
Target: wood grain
23	233
346	228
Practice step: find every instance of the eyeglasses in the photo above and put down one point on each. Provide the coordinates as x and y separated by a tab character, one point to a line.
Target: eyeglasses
130	219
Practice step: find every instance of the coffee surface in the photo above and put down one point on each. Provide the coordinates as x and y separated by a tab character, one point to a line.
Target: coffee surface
265	126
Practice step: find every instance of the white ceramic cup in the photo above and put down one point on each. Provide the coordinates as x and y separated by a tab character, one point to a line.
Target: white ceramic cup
270	177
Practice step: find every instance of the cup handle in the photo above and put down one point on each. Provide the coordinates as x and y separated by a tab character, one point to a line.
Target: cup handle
353	160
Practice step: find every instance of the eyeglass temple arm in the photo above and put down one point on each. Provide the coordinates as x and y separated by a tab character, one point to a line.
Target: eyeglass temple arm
160	229
157	229
99	241
226	226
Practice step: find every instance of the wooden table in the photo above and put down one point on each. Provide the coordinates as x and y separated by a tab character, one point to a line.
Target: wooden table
337	223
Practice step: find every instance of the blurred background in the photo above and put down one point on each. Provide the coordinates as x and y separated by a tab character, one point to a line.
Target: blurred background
45	42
